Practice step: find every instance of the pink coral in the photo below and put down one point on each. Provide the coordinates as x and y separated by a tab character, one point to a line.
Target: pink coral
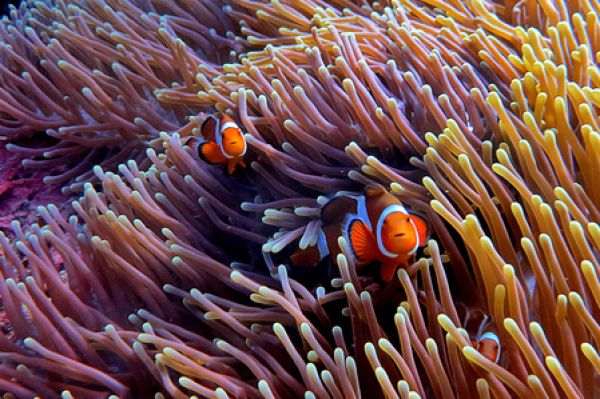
23	190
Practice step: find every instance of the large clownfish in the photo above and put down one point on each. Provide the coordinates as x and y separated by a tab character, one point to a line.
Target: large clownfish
224	142
377	227
483	338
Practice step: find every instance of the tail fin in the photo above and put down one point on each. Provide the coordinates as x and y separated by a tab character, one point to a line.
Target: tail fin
191	141
308	257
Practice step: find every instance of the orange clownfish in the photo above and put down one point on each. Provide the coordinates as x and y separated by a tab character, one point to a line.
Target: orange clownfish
488	344
224	142
377	227
484	339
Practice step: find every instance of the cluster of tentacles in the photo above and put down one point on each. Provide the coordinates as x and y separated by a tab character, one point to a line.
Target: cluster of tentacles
170	278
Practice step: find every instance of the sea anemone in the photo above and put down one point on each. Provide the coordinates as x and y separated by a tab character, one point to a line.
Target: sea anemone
85	72
168	277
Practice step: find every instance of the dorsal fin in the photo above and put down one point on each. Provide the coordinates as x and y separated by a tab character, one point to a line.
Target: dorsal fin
336	209
378	199
226	118
475	322
374	191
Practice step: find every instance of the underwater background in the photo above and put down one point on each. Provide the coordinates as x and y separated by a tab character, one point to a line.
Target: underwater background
299	199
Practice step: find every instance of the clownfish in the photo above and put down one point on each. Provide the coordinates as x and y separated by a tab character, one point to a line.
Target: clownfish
224	142
488	344
483	339
377	227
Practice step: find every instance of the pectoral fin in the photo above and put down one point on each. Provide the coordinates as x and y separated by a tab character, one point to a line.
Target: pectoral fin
388	270
362	241
233	163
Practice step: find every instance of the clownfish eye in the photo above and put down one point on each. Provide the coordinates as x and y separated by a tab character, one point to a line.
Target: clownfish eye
407	220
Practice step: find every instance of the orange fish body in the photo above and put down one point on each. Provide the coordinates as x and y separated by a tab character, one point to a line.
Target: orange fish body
377	228
224	142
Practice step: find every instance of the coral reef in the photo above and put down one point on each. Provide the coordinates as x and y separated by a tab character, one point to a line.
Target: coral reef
169	278
22	191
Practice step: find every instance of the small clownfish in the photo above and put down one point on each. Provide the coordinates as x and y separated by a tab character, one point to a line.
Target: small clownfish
377	227
488	344
224	142
484	339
